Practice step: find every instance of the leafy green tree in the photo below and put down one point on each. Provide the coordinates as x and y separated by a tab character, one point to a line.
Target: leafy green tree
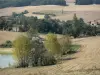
91	30
65	43
25	12
67	28
97	1
2	23
32	33
39	56
52	44
75	27
22	48
84	2
16	3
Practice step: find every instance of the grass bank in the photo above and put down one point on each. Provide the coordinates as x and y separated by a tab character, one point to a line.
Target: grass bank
6	50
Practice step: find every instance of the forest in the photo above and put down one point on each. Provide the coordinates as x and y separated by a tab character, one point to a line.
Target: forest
18	3
87	2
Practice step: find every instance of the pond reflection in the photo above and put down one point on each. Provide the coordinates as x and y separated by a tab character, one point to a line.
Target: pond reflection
6	60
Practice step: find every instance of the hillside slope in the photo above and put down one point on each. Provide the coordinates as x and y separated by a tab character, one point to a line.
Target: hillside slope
85	62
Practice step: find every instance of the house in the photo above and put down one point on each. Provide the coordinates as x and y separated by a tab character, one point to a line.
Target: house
94	23
15	29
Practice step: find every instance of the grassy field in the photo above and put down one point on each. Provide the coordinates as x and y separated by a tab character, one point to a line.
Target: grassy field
5	36
6	50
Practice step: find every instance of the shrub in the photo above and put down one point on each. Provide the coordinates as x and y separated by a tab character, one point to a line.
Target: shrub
47	59
52	45
39	56
25	12
7	44
65	43
40	13
74	48
47	17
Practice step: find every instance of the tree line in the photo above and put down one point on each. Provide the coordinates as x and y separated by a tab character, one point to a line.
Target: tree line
87	2
75	27
18	3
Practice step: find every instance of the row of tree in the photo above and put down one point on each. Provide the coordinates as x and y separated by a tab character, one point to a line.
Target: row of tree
15	3
87	2
76	27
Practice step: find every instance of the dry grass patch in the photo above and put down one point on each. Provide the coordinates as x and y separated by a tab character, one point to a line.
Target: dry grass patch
6	35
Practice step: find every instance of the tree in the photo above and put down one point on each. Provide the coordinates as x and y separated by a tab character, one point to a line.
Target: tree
84	2
2	23
97	1
25	12
47	16
18	3
75	27
52	44
32	33
22	48
67	27
65	43
39	56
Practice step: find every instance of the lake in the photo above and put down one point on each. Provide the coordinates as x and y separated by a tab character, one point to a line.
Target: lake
5	60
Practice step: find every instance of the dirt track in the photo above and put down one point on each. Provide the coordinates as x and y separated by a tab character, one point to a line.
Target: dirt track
85	62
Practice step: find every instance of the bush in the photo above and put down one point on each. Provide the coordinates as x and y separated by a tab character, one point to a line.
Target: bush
47	59
40	13
65	43
74	48
52	44
7	44
39	56
25	12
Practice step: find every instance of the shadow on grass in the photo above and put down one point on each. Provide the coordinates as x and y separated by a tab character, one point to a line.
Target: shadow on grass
72	52
64	59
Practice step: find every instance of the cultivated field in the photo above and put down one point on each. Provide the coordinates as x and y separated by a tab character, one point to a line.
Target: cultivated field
85	62
88	12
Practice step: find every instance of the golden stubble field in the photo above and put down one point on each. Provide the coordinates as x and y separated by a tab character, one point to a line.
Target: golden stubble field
88	12
6	35
85	62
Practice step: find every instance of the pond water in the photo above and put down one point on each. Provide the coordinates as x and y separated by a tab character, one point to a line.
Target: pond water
6	60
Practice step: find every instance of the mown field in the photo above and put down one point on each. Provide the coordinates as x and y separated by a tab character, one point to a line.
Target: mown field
88	12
